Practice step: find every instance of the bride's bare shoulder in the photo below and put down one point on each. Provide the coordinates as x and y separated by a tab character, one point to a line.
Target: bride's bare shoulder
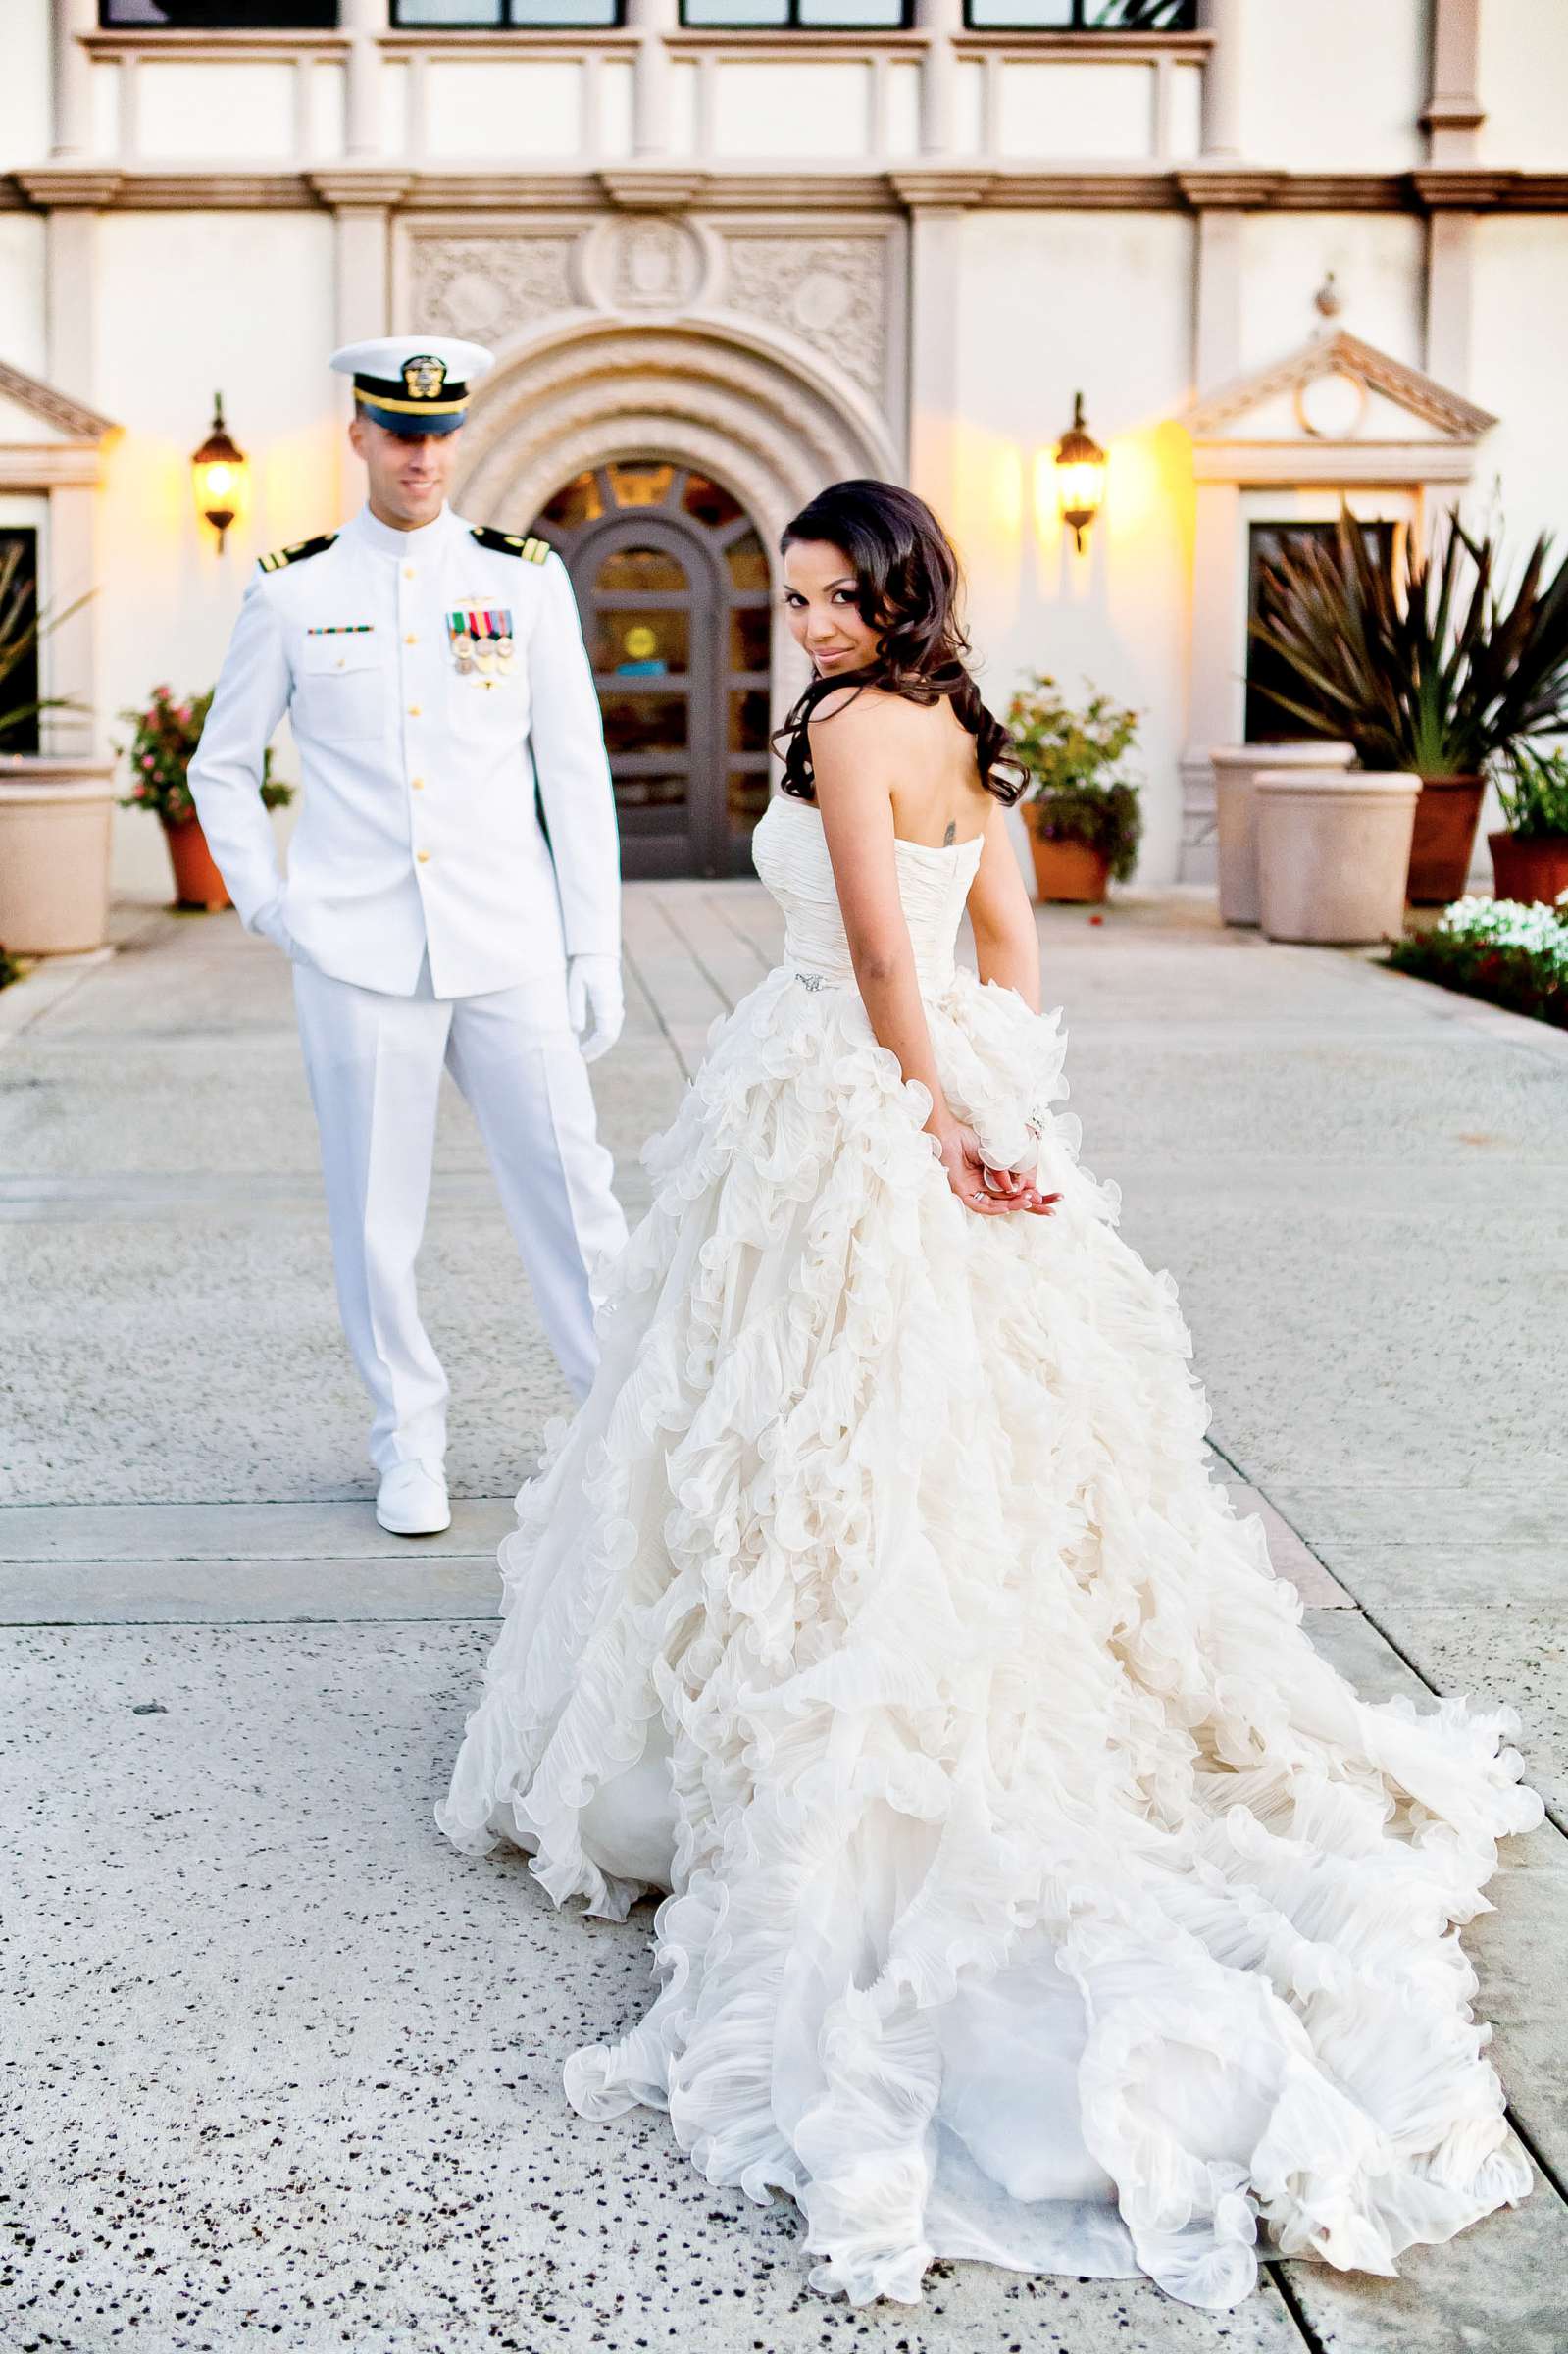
850	707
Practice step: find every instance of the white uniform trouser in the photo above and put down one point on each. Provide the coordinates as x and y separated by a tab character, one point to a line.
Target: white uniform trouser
375	1064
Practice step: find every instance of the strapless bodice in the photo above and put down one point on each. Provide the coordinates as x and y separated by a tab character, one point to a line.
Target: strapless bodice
790	851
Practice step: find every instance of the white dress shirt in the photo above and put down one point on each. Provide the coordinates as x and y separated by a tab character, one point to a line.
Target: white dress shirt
418	826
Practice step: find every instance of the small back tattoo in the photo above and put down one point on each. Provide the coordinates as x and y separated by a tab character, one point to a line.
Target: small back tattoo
951	834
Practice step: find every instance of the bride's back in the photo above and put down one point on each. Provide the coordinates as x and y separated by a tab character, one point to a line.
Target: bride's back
939	797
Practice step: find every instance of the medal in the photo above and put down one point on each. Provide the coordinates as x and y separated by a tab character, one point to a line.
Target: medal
482	641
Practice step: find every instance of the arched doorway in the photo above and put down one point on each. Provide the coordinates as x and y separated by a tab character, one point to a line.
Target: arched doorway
671	578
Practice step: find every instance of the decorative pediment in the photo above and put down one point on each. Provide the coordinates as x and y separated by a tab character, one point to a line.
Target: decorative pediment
1336	411
31	411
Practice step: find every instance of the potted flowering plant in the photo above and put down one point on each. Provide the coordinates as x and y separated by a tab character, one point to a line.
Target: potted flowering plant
1530	856
1083	813
163	744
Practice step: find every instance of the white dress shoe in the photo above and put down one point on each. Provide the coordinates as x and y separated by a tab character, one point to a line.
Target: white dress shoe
410	1501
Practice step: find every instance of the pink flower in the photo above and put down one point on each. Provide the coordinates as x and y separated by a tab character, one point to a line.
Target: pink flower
183	712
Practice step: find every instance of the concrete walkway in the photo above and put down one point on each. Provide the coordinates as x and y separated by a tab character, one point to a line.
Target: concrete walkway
279	2065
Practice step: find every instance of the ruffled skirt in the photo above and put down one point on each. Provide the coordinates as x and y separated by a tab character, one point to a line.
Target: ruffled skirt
1035	1893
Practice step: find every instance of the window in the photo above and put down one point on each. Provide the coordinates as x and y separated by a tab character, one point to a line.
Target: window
483	16
218	15
1081	16
19	592
1267	721
808	16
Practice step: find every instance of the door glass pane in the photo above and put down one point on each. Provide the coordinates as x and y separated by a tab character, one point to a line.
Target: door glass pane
650	793
750	628
631	570
748	720
1268	721
709	503
19	603
642	645
748	563
641	483
748	798
578	502
644	723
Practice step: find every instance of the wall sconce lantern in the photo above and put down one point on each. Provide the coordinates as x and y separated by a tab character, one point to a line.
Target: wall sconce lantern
218	471
1079	476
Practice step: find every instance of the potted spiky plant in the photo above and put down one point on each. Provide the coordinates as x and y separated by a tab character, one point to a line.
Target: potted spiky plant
1082	811
1530	856
55	809
1437	674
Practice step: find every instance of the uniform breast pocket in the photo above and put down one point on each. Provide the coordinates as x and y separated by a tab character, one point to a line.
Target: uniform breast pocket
340	691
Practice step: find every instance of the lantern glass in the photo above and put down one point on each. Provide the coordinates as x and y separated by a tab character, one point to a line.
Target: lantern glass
1080	475
217	475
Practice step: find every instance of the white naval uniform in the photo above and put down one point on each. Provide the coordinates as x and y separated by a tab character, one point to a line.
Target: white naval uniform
429	917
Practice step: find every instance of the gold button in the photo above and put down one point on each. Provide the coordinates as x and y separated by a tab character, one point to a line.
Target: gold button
416	784
423	857
413	710
411	639
408	571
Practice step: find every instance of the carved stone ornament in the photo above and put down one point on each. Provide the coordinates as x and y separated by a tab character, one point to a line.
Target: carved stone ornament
829	290
652	265
489	288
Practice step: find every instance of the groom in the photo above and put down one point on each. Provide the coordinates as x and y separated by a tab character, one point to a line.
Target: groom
453	892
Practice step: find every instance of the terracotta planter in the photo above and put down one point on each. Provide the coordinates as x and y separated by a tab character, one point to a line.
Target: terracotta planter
1334	850
1235	772
55	822
1446	817
197	881
1526	867
1070	871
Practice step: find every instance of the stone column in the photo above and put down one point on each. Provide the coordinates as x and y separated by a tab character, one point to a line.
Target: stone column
650	21
1452	122
71	70
1222	79
362	20
937	201
939	21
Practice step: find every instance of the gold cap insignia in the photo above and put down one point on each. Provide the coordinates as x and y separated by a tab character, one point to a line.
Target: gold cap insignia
424	376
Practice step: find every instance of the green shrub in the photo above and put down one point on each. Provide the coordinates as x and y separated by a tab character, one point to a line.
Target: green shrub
1501	950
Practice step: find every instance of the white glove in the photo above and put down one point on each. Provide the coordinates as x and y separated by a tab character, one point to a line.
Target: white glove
595	1002
271	923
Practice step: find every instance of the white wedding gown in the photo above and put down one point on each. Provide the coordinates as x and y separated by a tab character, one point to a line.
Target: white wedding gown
1036	1893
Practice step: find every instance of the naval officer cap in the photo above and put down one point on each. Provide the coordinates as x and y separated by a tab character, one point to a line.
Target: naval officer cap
413	383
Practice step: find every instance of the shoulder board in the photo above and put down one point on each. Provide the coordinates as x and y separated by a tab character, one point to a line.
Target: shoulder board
297	553
508	544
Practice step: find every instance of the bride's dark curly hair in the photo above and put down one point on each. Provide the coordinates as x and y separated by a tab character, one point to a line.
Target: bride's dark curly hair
907	587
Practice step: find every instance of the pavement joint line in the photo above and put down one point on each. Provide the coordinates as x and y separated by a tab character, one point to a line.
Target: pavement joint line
1285	2288
712	979
628	957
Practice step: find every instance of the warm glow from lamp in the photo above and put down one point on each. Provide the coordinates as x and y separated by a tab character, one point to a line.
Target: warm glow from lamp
217	474
1079	476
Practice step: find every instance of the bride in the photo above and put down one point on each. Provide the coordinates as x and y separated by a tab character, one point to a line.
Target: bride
1034	1892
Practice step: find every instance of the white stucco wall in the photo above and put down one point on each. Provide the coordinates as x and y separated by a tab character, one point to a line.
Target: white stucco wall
23	326
1335	84
1377	260
25	101
253	320
1051	303
1522	82
1519	370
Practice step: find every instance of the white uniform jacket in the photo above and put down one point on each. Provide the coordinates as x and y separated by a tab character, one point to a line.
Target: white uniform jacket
418	824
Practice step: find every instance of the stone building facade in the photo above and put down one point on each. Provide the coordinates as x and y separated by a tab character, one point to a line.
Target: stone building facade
723	262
